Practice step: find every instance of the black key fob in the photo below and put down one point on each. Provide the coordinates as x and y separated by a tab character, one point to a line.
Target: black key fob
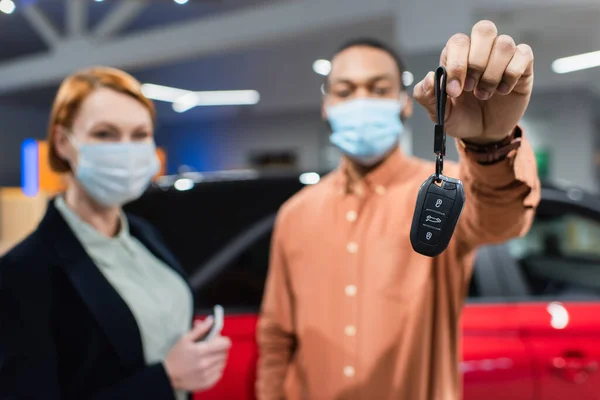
439	205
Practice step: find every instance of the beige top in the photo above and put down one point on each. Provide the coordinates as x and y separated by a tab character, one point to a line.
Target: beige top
350	310
158	297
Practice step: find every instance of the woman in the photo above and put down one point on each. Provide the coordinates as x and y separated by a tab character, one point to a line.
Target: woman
92	304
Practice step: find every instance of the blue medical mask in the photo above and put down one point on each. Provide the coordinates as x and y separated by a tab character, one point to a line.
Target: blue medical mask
116	173
365	129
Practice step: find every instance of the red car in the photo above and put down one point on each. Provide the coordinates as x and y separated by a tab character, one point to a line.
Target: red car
530	326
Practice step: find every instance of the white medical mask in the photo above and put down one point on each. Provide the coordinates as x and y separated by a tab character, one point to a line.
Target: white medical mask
365	129
116	173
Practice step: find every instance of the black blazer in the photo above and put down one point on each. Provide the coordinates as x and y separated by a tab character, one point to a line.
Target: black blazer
65	333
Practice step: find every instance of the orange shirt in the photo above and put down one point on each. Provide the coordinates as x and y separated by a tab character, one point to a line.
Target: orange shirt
350	311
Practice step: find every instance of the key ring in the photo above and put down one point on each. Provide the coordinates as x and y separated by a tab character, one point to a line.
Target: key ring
439	139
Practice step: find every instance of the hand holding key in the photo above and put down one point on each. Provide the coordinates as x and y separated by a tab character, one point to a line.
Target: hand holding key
490	80
197	366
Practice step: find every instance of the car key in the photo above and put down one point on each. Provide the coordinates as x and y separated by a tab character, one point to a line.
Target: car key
441	199
218	322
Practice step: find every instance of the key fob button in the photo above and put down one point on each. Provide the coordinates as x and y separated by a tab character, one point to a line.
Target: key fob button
435	189
441	204
433	220
429	236
449	186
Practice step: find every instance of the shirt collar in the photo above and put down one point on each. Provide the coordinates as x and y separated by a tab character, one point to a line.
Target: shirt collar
85	232
393	168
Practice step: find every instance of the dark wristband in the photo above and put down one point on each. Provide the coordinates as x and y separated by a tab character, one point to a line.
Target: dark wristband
491	153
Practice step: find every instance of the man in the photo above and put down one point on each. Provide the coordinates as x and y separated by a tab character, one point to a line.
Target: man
350	311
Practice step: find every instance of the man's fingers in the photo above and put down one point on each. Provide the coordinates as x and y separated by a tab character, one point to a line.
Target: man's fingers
527	51
424	89
518	70
483	36
424	93
444	56
457	57
502	53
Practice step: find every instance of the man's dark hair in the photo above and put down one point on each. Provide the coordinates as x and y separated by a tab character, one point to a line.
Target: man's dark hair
376	44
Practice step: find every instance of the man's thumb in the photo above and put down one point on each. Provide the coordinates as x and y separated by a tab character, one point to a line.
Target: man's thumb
201	328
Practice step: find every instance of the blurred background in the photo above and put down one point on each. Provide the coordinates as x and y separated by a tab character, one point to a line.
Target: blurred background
277	50
237	85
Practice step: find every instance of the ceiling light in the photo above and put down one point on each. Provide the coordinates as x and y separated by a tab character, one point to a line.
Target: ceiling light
7	6
184	100
309	178
407	78
322	67
163	93
181	1
576	63
183	184
216	98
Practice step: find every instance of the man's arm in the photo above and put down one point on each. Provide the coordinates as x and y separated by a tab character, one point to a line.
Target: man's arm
500	198
275	332
489	86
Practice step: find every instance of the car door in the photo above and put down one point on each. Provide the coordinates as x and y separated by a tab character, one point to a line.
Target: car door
234	278
559	307
495	363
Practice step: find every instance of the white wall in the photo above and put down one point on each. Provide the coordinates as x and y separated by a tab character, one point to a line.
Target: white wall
304	132
227	143
563	123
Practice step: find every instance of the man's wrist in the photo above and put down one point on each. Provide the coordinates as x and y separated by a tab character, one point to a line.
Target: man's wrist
484	141
491	152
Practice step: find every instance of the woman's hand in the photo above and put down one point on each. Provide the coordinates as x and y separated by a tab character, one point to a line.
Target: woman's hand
197	366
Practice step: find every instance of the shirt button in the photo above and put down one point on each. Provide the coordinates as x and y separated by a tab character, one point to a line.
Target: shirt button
380	190
350	290
350	330
351	216
352	247
349	371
